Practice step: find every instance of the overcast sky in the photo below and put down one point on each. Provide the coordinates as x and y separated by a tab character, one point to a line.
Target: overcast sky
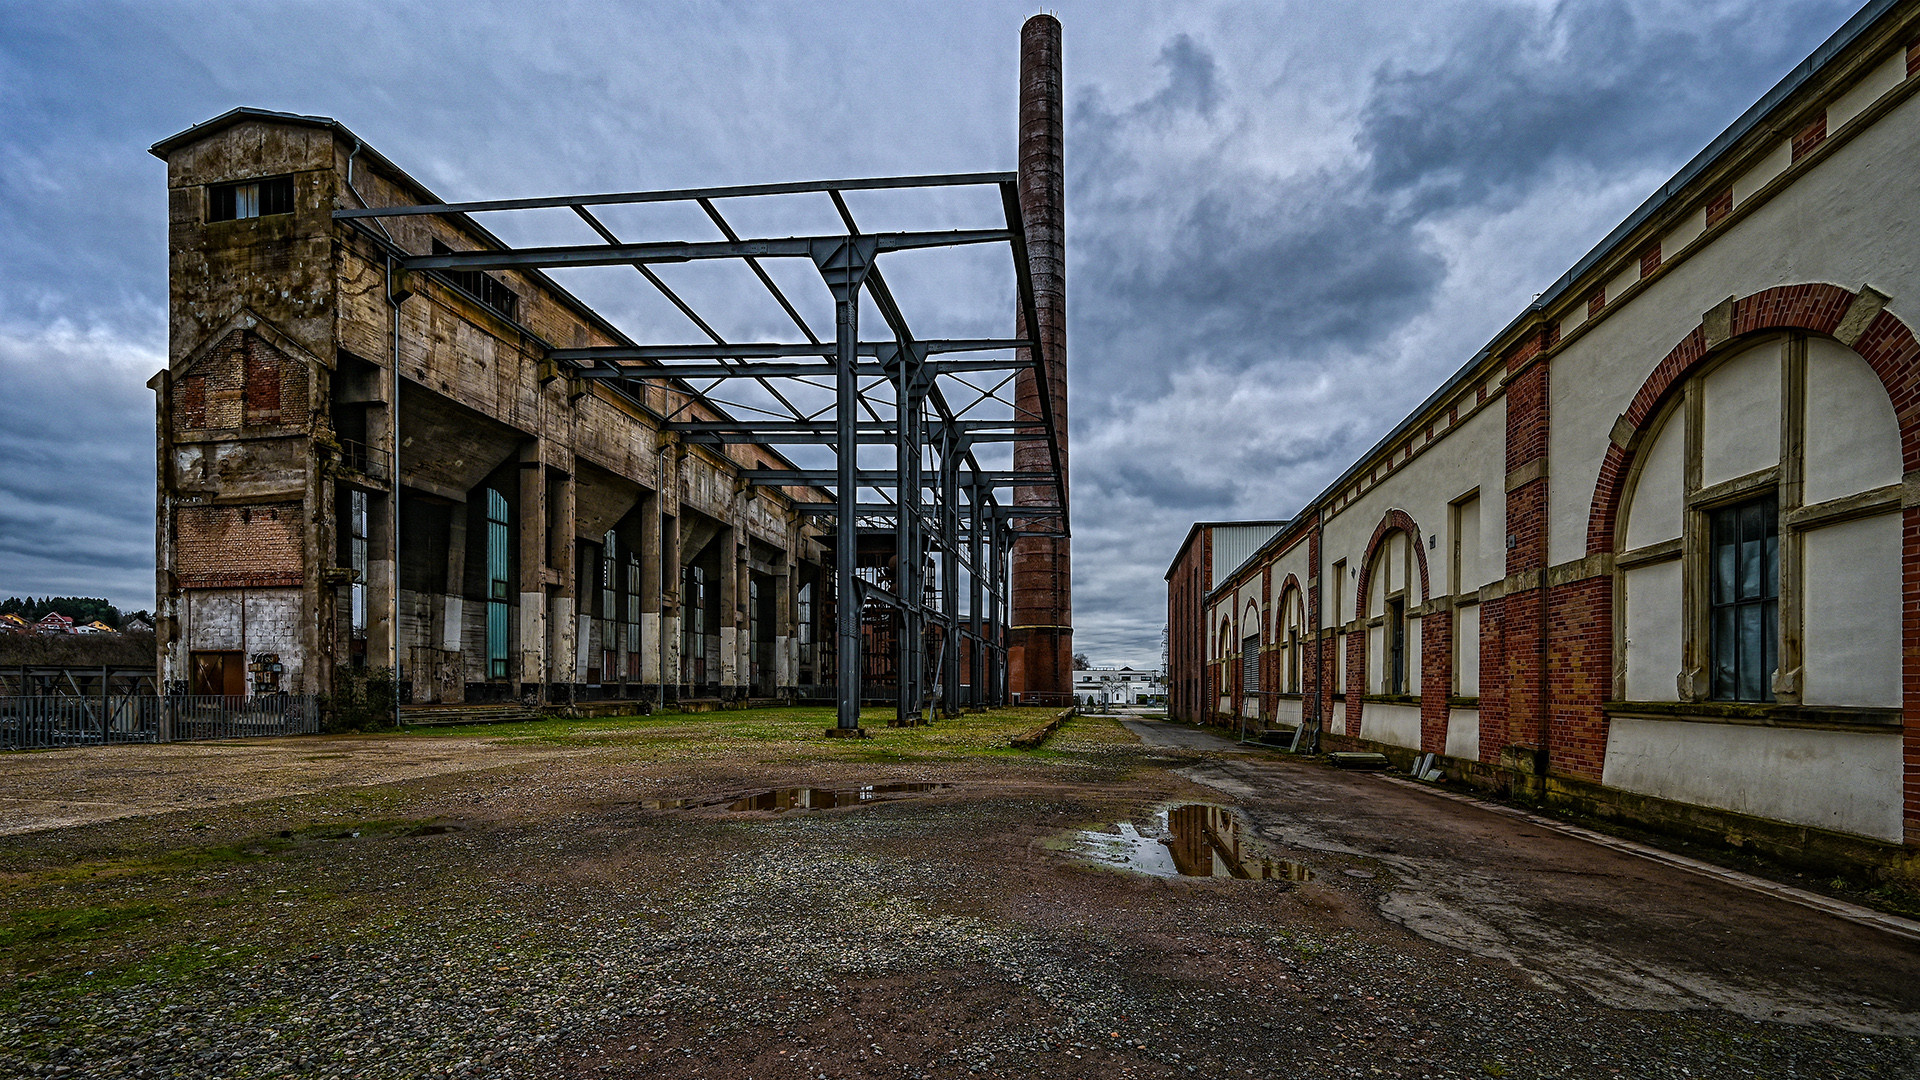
1287	222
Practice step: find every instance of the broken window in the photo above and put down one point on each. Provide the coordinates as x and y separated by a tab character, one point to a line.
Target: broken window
483	287
250	199
357	546
497	584
1745	599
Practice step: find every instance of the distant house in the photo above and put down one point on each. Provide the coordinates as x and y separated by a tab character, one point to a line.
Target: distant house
95	627
53	623
137	625
14	624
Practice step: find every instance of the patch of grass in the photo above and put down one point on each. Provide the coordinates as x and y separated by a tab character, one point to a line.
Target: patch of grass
68	925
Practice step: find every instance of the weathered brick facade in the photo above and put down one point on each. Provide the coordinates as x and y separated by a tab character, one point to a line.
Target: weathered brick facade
1568	642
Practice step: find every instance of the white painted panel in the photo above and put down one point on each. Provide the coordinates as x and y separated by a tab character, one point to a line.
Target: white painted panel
1653	632
1742	416
1395	725
1470	558
1288	711
1853	439
1340	717
1376	654
1575	317
1413	657
1463	734
1466	639
1841	780
1852	614
1890	73
1340	666
1623	280
1655	509
1684	233
1766	169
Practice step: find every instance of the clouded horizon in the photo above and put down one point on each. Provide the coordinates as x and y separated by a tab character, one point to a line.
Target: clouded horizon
1287	223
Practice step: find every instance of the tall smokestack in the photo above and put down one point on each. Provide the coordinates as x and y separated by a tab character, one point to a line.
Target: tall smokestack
1040	640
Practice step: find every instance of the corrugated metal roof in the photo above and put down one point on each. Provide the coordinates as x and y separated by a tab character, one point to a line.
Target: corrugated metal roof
1235	544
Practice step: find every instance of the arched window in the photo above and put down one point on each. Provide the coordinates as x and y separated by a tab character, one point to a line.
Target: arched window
1389	595
1291	631
1758	546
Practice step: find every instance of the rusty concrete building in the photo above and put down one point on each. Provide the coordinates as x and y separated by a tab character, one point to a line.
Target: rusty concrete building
389	439
514	548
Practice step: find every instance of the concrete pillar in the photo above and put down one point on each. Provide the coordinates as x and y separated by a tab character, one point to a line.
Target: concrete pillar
671	569
650	591
783	635
731	599
531	668
563	597
743	613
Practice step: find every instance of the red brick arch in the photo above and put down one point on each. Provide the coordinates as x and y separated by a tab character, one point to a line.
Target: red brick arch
1395	520
1887	345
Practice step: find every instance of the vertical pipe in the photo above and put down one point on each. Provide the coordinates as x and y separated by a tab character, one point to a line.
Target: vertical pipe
1041	594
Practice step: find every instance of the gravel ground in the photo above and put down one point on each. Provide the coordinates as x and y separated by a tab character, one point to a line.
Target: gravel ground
535	920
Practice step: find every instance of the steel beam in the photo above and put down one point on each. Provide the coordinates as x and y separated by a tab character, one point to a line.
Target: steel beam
678	251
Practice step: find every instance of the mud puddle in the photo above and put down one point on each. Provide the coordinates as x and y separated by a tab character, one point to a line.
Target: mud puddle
780	800
1192	840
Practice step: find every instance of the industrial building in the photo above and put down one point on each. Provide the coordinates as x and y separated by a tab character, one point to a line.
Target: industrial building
388	438
1655	550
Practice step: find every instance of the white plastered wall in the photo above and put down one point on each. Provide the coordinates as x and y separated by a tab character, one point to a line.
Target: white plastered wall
1831	225
1395	725
1852	613
1739	767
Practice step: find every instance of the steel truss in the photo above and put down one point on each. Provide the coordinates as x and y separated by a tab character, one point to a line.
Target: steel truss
939	502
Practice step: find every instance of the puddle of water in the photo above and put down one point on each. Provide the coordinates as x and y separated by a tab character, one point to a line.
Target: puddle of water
1196	840
665	804
808	798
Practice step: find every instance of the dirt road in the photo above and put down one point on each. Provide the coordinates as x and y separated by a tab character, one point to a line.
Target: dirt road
592	905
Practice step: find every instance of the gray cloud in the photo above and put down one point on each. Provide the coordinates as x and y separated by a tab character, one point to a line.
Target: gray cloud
1271	207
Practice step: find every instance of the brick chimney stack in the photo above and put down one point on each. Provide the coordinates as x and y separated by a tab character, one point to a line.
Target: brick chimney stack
1040	642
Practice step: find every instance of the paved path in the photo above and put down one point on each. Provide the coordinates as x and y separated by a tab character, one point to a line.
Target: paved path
1180	736
1568	910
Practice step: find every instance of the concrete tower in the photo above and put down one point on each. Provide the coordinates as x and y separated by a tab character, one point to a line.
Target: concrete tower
1040	643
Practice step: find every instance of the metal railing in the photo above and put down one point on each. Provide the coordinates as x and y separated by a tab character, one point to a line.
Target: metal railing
33	723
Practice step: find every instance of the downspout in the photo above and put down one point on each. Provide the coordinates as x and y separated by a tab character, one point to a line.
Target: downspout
395	297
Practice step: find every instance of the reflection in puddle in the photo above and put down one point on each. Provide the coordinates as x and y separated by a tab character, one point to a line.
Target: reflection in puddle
1196	840
803	798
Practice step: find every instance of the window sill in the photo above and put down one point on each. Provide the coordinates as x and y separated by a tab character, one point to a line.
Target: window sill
1392	699
1464	702
1760	714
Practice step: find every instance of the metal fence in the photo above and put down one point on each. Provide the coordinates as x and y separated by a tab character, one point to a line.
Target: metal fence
39	722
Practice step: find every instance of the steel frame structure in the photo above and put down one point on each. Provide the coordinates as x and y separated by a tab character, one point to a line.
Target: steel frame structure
947	513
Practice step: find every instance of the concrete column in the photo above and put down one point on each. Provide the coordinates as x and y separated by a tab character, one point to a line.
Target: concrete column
727	543
670	579
531	668
743	613
650	575
783	636
563	597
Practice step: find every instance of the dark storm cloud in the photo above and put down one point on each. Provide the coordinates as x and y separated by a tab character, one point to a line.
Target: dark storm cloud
1594	82
1272	208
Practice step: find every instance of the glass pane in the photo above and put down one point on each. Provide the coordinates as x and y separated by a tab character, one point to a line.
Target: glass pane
1723	567
1771	620
1770	558
1753	651
1723	653
1752	576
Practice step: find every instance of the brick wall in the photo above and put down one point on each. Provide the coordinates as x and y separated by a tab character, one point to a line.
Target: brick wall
243	381
1580	676
1436	678
225	547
